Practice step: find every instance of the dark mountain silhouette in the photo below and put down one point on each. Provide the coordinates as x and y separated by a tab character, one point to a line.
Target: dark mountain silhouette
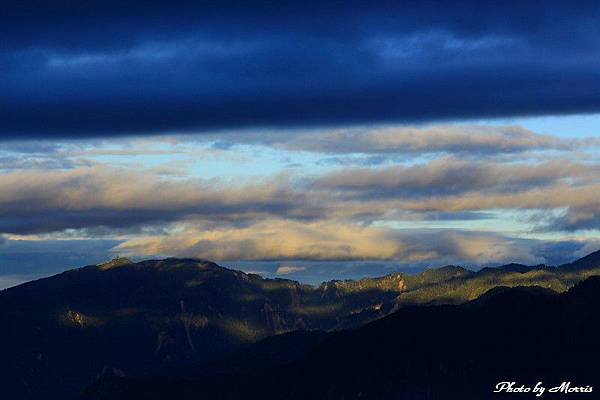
434	352
121	318
590	261
60	333
514	267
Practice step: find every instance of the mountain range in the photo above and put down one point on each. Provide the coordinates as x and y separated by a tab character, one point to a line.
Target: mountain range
175	316
526	335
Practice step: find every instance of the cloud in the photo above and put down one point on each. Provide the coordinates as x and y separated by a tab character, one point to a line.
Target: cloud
37	155
552	197
46	201
23	260
462	140
106	200
273	239
581	217
549	252
288	269
341	241
197	67
391	213
451	176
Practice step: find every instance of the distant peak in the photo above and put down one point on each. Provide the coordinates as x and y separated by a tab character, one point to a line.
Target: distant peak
188	262
595	256
446	270
450	268
592	260
115	262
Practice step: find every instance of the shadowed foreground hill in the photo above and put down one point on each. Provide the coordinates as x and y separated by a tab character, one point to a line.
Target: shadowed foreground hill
434	352
61	333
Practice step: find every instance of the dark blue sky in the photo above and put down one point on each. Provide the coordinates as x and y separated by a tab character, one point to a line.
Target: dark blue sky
78	69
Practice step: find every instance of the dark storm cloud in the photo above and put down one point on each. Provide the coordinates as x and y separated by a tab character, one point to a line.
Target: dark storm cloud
93	69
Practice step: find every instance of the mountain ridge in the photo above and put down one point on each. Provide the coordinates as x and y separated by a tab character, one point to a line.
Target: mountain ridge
382	359
137	317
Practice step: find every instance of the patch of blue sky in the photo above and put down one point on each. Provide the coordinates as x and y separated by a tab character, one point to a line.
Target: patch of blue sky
200	159
491	221
524	224
575	125
255	161
146	161
513	222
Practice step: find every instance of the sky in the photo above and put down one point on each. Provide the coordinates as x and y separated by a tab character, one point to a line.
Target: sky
296	140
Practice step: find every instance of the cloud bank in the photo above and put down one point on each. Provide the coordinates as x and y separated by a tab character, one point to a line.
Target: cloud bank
441	194
34	201
191	67
459	140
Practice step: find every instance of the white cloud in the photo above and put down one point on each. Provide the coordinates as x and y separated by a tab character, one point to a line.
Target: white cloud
288	269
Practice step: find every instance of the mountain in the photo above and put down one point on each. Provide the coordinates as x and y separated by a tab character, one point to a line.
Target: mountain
60	332
123	318
592	260
520	334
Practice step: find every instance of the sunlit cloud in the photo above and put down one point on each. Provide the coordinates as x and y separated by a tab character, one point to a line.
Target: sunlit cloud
463	140
288	269
440	193
334	240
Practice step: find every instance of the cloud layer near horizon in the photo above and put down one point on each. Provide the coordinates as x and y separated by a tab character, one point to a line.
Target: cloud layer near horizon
432	198
339	241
